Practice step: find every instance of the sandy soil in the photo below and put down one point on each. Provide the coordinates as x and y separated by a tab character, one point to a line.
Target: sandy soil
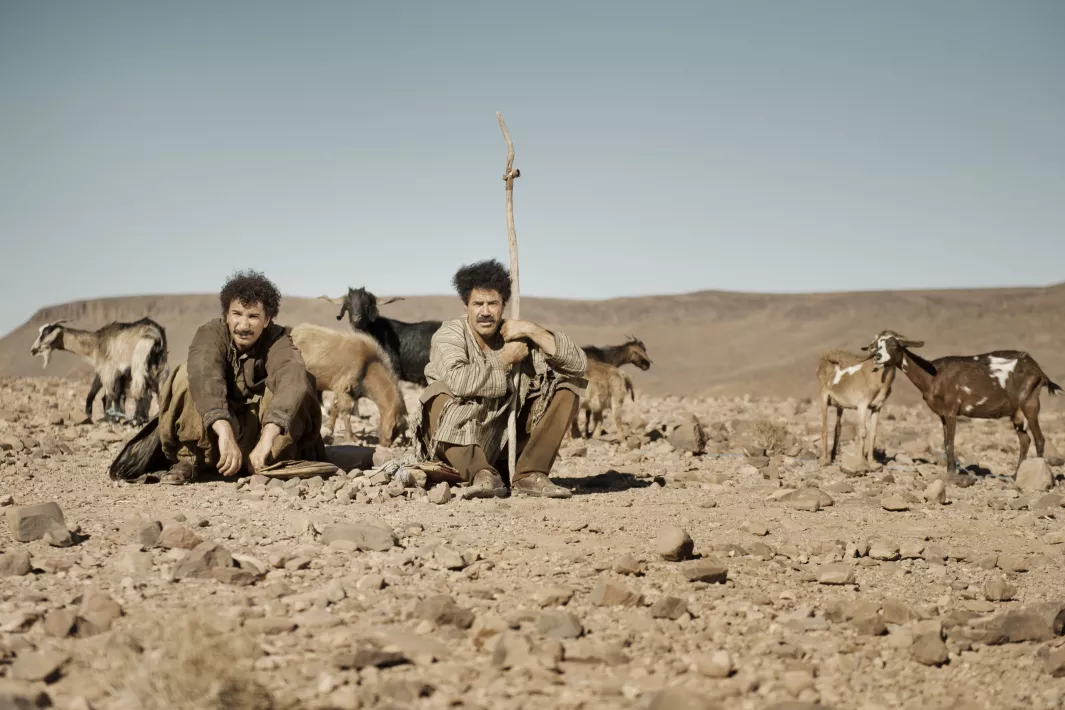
828	597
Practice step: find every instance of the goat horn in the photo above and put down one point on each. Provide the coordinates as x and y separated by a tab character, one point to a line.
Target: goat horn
390	300
334	301
912	343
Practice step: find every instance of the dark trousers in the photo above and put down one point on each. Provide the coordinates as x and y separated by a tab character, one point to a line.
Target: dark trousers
537	445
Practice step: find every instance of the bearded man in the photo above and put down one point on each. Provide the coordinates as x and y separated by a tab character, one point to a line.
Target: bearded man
243	400
465	408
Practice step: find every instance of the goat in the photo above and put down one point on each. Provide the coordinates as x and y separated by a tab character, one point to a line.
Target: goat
407	344
607	387
123	355
349	365
993	385
631	351
850	381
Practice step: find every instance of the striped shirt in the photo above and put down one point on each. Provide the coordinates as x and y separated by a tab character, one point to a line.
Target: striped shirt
481	390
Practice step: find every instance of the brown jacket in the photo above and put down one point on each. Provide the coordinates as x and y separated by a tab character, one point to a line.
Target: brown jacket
223	382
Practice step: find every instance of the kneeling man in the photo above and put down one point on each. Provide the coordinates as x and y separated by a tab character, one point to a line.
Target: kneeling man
243	400
465	407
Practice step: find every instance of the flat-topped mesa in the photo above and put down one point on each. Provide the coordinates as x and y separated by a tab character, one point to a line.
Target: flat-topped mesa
992	385
124	355
850	381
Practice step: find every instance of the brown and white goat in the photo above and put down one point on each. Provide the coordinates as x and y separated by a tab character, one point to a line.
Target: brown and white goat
850	381
120	353
993	385
350	365
631	351
607	387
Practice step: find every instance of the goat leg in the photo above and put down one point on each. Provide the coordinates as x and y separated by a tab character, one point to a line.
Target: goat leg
825	459
1031	415
874	417
1023	439
838	432
950	425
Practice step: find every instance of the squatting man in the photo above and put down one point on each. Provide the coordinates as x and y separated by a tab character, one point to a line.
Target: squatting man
465	407
243	400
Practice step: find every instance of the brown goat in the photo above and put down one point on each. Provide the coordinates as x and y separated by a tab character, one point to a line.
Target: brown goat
350	365
994	385
631	351
850	381
607	387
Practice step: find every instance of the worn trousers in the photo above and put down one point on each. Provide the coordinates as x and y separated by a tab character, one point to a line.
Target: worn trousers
183	436
537	444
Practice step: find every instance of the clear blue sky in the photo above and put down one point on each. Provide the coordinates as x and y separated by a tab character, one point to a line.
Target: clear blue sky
664	147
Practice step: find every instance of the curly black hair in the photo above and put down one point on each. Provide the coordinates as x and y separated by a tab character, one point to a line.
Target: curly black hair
487	274
251	287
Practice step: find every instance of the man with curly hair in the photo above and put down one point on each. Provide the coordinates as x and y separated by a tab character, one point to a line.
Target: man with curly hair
464	409
243	400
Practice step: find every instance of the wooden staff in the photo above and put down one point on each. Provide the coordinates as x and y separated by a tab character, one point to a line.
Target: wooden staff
509	175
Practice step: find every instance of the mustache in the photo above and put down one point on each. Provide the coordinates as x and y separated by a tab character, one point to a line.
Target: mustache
244	333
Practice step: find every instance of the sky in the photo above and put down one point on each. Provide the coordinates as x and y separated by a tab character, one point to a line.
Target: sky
664	147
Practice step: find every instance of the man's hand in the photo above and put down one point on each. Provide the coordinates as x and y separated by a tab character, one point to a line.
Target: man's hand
513	353
515	330
512	330
229	456
260	455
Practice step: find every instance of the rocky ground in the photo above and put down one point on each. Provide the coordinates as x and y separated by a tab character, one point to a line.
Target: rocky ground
744	576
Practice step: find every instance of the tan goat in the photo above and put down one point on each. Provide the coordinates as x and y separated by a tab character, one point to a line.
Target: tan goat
849	381
352	365
607	387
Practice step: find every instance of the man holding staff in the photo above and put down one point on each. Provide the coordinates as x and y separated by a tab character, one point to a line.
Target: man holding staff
463	418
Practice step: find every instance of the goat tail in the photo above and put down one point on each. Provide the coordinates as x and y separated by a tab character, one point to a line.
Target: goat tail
1053	387
628	386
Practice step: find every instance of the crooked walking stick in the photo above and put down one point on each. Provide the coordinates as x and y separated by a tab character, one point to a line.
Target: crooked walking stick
509	175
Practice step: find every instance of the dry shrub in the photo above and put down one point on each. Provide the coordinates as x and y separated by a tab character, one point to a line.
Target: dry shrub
769	436
186	664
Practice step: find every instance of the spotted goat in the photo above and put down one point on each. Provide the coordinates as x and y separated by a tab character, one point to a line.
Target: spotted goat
850	381
124	356
993	385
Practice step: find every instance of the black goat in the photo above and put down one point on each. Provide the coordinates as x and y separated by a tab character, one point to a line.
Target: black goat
995	385
632	351
407	344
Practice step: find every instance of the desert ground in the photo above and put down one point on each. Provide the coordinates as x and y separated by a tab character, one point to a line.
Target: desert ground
802	586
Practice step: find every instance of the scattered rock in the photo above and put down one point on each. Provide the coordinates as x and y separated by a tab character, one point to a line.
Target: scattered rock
669	608
997	589
366	536
553	596
608	593
442	609
175	537
38	666
894	504
96	614
15	563
440	493
559	624
884	550
936	492
1034	475
628	564
835	574
929	649
717	664
60	623
33	522
674	544
689	436
1055	663
710	571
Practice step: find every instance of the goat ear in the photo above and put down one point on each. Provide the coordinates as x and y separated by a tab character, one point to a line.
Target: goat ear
390	300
